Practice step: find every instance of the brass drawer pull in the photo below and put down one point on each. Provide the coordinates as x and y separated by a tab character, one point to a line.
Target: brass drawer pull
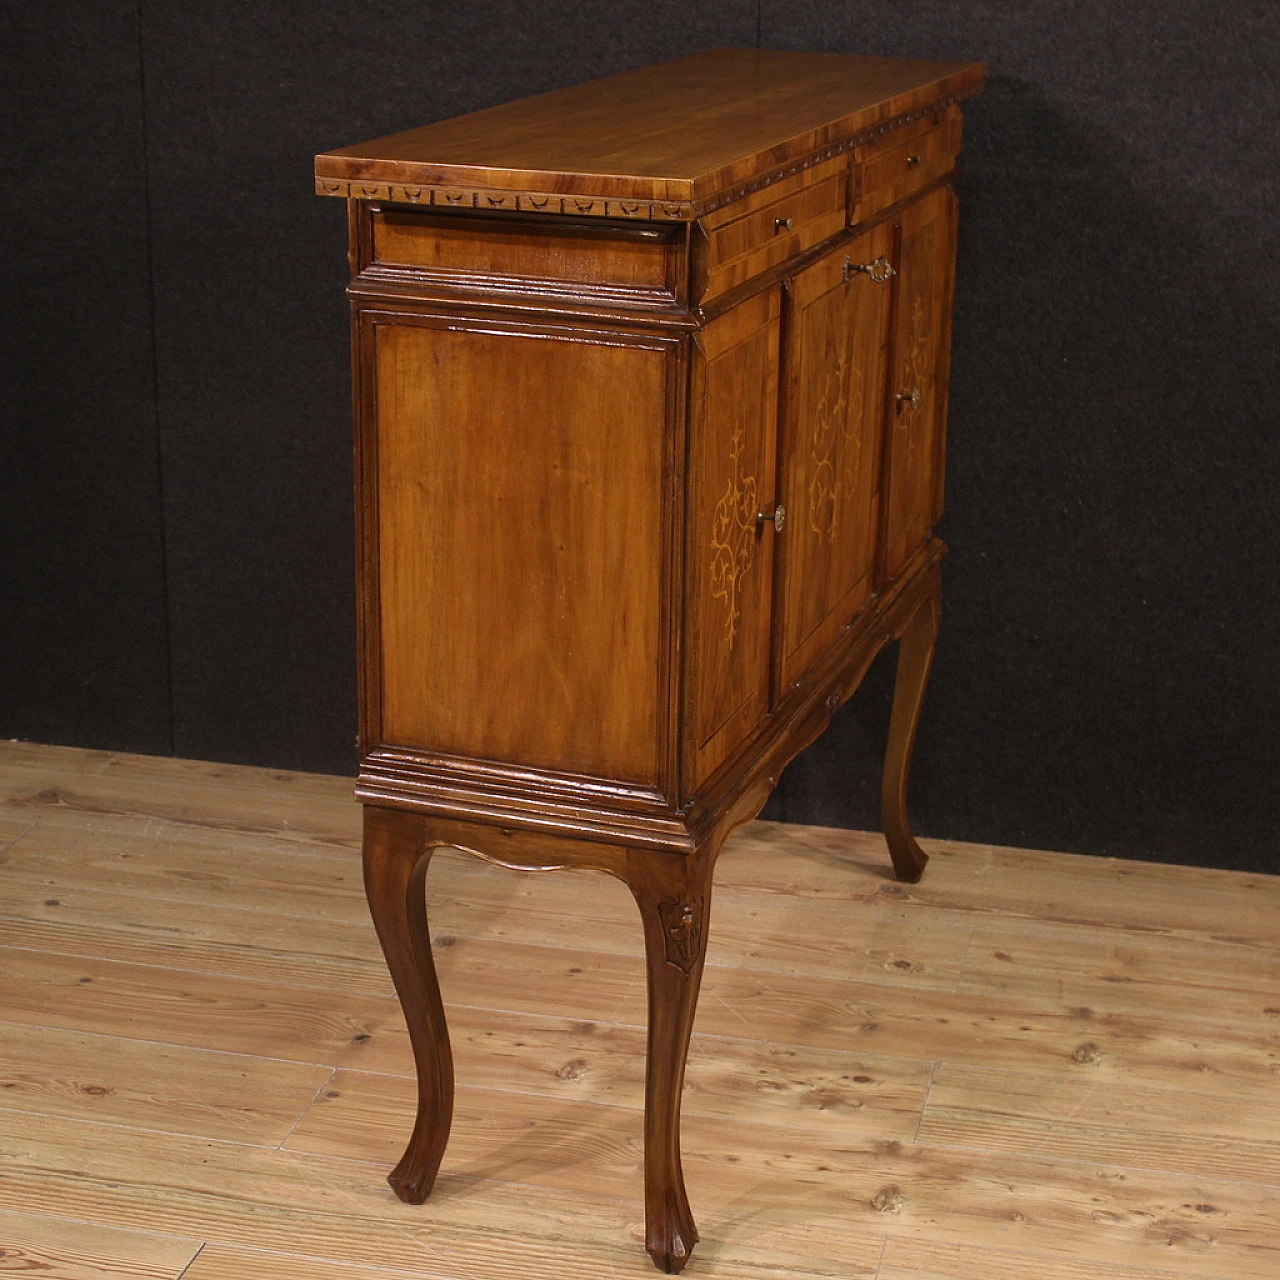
912	161
781	224
911	398
777	517
880	270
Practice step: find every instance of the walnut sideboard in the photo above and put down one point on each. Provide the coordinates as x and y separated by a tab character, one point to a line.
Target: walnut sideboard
650	402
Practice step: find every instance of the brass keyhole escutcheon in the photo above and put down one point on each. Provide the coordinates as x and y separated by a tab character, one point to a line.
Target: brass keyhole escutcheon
777	517
879	270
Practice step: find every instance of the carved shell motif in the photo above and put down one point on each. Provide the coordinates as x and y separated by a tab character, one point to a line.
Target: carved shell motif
733	538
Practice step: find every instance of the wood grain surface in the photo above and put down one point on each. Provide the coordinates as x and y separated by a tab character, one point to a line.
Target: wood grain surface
56	1248
634	136
917	402
1031	1064
552	568
837	329
730	548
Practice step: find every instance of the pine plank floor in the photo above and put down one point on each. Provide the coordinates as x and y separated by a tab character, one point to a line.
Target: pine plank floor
1031	1066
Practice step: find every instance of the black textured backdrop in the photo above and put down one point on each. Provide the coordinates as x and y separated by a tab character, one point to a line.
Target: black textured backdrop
83	647
176	515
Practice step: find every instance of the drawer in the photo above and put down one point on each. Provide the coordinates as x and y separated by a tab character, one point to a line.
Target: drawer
768	227
596	261
903	162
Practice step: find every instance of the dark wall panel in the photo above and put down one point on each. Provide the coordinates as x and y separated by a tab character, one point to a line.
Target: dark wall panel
82	617
1108	679
251	321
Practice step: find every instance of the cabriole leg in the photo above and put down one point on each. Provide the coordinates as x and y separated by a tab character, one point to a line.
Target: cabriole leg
396	856
674	897
915	657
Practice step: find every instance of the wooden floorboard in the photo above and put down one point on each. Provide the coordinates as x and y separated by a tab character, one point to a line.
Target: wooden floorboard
45	1247
145	1084
932	1260
1030	1065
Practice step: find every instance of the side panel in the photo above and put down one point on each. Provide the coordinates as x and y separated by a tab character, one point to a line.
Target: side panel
519	506
837	333
733	419
918	399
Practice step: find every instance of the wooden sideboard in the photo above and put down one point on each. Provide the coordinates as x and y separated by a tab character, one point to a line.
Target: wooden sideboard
650	402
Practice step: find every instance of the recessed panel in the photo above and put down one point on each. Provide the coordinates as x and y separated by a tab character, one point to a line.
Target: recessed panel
837	334
729	546
918	393
519	526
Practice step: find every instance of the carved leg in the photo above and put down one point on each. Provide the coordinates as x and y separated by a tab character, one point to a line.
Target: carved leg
674	896
396	856
915	657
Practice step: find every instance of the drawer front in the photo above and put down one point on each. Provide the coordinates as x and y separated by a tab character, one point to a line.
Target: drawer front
635	264
903	162
749	236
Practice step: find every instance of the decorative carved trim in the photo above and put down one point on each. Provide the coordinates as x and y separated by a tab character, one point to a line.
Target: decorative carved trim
733	538
682	930
525	201
596	207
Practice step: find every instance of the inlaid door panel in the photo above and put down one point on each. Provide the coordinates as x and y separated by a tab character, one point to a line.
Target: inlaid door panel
837	335
519	528
728	548
918	386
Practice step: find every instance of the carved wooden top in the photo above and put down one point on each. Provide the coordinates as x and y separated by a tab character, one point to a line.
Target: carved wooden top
663	142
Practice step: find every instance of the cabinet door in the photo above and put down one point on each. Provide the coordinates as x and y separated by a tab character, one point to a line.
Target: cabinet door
837	333
918	401
732	424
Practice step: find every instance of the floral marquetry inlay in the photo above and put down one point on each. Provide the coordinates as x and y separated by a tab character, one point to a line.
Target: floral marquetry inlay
834	447
916	364
733	538
915	369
